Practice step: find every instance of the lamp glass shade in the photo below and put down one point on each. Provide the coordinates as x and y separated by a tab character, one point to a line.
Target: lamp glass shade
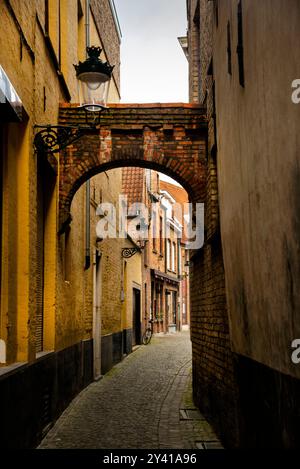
93	90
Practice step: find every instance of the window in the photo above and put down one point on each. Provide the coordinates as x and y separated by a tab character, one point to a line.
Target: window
169	254
81	33
148	179
47	16
161	302
154	231
240	46
157	302
152	301
229	49
179	260
173	256
146	254
196	85
172	307
161	244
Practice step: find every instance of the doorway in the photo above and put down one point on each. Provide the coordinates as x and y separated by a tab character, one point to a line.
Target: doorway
136	317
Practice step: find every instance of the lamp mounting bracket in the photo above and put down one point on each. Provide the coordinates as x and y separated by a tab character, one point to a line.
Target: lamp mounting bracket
54	138
129	252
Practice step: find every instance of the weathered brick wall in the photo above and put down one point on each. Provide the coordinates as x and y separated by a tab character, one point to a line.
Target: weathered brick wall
193	50
214	380
214	386
206	30
166	137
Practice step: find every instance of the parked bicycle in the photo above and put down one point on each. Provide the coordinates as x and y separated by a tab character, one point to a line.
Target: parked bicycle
148	333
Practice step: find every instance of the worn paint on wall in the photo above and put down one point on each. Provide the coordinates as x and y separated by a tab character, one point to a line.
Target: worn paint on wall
258	128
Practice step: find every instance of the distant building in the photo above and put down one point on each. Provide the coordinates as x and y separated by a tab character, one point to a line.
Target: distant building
175	198
165	298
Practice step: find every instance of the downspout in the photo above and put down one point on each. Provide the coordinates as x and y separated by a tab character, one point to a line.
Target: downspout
180	283
88	183
178	256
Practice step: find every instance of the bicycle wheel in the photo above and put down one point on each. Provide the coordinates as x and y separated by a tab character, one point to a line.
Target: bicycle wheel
147	337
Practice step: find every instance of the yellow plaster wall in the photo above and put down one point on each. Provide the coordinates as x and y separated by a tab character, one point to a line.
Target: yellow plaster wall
67	302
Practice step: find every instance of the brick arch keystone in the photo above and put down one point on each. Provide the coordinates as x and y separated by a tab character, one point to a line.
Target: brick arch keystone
170	138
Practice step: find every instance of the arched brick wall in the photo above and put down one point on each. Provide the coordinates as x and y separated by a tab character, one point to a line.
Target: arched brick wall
170	138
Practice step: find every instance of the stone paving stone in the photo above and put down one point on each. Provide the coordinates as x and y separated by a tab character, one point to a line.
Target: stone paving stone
137	404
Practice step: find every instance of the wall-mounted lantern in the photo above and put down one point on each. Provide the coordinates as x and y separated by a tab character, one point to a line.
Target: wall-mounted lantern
94	78
130	252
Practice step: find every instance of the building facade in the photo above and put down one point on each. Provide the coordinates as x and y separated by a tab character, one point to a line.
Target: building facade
64	318
165	296
175	201
244	377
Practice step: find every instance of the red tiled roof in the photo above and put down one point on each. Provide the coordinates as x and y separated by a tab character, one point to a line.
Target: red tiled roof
132	184
178	193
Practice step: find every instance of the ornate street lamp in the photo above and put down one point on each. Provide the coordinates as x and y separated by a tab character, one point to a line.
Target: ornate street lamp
94	77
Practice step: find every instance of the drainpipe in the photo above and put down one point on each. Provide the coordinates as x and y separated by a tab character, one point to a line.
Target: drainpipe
179	272
88	183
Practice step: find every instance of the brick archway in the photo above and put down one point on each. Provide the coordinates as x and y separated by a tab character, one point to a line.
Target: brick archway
170	138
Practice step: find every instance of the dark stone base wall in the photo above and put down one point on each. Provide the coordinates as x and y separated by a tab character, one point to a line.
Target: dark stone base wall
117	347
269	406
219	405
248	404
127	341
106	353
34	396
114	347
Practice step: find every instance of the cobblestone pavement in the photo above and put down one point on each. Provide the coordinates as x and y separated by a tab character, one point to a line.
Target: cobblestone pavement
143	402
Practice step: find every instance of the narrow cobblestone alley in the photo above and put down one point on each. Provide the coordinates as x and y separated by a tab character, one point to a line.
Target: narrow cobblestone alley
143	402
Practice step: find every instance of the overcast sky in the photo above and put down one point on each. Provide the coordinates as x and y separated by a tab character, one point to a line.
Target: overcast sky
153	65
